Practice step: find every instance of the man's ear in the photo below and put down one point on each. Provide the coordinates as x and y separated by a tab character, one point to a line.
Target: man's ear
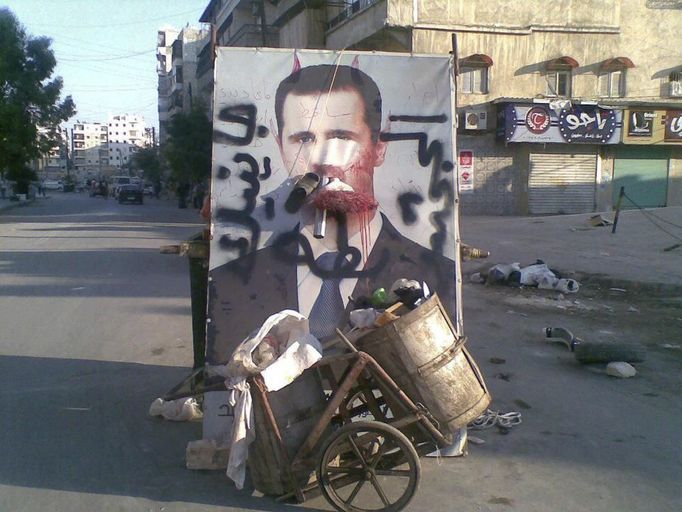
380	152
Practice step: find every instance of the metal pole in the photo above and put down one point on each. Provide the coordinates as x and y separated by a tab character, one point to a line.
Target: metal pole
459	322
620	200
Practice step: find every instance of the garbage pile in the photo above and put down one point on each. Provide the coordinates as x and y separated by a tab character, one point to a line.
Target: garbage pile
538	274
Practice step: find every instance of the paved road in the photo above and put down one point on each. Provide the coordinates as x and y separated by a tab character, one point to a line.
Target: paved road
95	323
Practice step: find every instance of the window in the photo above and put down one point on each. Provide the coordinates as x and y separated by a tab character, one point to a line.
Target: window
612	84
474	80
558	83
474	76
559	76
178	74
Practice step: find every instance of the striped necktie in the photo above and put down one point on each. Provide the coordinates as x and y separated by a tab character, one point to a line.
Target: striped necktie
328	308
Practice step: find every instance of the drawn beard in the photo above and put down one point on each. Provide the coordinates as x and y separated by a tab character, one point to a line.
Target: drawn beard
343	201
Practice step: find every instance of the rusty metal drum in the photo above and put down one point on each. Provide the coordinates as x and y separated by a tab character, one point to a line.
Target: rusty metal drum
422	353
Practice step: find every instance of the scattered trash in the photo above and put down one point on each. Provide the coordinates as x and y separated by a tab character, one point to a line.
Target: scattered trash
599	221
475	440
595	352
182	409
491	418
620	369
670	248
537	274
456	449
497	360
477	278
618	290
469	252
671	347
503	376
633	309
363	317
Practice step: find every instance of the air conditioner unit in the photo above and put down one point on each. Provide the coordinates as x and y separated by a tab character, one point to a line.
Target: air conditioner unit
676	89
475	119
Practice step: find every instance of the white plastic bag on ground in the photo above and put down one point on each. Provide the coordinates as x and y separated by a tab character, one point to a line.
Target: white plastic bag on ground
533	274
182	409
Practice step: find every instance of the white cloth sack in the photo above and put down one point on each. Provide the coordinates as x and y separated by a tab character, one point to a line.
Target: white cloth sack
280	351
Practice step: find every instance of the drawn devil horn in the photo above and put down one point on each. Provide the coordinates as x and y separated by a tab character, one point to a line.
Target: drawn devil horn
297	63
356	62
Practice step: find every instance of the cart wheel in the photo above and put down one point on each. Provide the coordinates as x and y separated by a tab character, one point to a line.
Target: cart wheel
377	459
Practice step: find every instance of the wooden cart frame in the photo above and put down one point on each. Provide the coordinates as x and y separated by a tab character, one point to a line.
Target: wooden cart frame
357	452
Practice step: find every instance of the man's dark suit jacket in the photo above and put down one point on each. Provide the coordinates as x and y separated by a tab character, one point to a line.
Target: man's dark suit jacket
240	300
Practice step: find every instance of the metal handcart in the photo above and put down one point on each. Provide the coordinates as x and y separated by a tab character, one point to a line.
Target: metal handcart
352	428
363	446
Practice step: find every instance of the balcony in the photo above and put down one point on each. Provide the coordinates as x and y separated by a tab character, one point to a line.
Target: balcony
251	35
675	89
354	8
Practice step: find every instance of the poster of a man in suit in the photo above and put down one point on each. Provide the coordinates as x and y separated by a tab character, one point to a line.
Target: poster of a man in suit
367	138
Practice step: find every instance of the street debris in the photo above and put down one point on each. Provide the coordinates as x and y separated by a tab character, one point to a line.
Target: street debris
490	418
497	360
620	369
670	346
182	409
596	352
599	221
618	290
537	274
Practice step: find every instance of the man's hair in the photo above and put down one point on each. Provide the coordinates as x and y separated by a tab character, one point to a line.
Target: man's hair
325	78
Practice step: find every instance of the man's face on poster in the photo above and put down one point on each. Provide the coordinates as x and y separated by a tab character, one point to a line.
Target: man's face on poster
326	133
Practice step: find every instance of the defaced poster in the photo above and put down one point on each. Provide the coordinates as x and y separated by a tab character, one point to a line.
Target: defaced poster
332	176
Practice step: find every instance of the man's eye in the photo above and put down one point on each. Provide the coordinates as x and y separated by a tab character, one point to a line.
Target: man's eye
304	138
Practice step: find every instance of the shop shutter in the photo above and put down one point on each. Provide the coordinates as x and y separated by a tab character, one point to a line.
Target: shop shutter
562	183
643	172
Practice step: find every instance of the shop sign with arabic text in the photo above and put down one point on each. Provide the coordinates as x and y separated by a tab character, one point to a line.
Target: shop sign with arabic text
579	124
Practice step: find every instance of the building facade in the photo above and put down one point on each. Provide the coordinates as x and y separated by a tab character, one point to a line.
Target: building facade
127	134
177	58
560	104
90	148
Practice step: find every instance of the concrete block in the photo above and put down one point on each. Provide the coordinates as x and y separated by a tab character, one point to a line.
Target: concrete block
620	369
206	454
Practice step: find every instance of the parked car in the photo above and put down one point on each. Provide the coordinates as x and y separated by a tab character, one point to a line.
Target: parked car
148	189
131	193
53	185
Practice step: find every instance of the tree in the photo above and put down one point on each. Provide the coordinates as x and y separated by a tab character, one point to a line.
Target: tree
148	160
188	150
30	106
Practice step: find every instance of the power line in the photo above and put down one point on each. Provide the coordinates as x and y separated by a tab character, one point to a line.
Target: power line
108	25
131	55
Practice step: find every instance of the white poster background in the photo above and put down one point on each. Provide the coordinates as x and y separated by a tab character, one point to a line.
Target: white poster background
410	85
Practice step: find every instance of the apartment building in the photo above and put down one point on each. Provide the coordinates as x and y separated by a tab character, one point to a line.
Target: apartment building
559	104
177	58
127	133
90	148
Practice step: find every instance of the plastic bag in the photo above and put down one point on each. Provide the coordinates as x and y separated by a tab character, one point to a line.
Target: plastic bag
281	349
182	409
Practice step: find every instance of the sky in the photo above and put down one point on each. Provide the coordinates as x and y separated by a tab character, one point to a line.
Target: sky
106	49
